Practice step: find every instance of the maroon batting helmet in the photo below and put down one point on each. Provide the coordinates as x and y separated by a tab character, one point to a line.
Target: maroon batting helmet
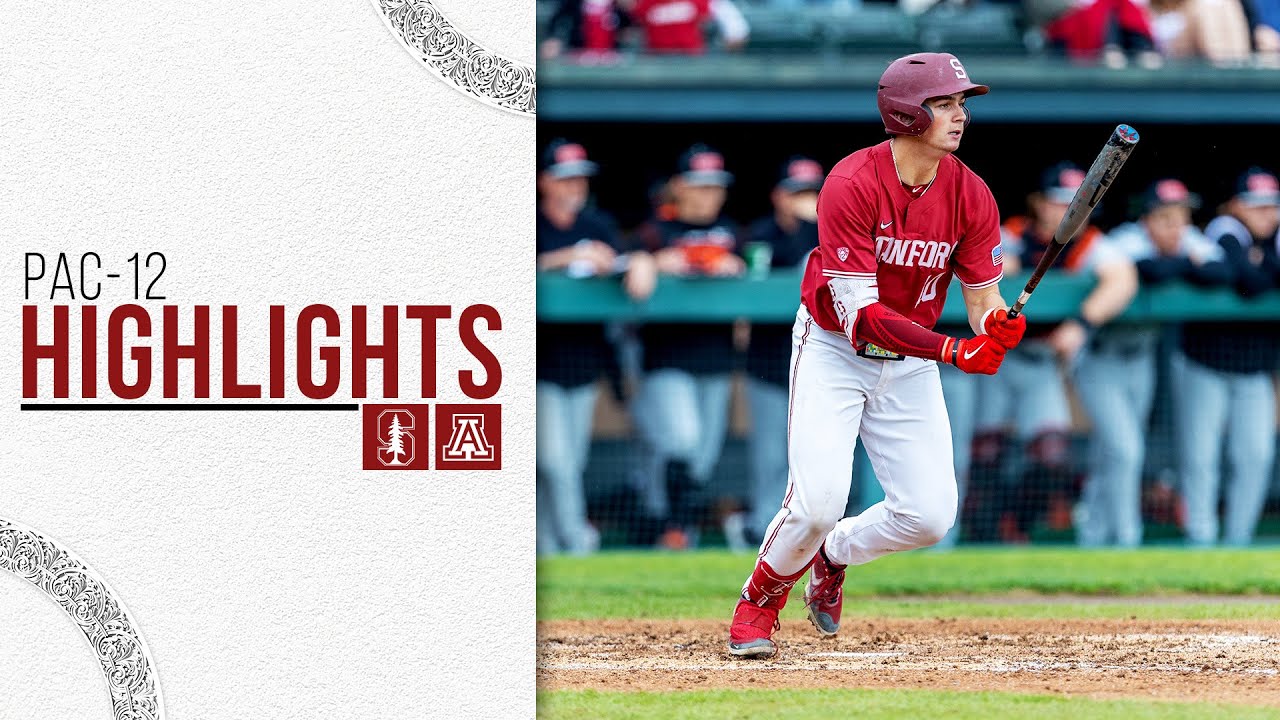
910	80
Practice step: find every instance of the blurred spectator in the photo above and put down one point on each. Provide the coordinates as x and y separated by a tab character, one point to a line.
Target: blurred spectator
676	26
1215	30
661	203
583	242
1028	396
1224	376
683	407
583	27
782	240
1088	30
1264	26
1116	379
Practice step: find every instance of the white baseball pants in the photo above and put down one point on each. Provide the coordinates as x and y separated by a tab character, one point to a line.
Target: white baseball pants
896	407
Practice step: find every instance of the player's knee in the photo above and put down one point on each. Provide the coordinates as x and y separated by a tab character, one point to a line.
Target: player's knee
935	525
817	524
931	521
679	444
1121	457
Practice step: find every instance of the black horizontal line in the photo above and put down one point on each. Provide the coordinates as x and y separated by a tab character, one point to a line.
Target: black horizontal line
189	407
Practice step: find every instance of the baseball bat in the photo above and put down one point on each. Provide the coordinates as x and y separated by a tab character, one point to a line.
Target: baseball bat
1104	170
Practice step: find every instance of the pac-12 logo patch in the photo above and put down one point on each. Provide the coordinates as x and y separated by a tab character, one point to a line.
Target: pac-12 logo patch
468	437
842	253
395	437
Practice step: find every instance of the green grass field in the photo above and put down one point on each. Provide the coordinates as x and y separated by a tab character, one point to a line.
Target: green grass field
901	704
705	584
1155	584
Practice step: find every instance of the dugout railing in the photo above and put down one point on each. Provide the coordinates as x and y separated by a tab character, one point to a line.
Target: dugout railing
617	457
776	297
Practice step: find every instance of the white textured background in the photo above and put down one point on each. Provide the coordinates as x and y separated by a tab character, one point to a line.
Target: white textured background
278	153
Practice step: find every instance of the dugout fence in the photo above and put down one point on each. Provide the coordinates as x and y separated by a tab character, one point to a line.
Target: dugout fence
1002	505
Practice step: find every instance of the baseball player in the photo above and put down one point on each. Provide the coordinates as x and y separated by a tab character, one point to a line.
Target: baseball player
682	410
790	233
895	221
1223	370
1116	380
581	241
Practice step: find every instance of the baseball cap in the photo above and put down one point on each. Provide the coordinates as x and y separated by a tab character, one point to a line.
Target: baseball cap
1060	182
701	165
1168	191
564	159
1258	187
800	174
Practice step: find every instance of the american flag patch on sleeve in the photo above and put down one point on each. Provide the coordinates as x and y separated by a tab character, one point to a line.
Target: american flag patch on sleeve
997	256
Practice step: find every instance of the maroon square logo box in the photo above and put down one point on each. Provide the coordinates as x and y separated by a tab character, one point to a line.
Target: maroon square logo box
468	437
396	437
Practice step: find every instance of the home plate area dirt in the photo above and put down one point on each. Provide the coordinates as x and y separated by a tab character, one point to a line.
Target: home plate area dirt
1217	661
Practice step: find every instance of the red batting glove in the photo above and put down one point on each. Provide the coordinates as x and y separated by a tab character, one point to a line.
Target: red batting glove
981	354
996	323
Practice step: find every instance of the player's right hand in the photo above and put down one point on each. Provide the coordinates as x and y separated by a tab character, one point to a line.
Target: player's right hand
981	354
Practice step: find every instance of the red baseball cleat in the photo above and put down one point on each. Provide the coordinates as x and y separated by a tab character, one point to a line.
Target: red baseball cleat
824	595
751	634
756	616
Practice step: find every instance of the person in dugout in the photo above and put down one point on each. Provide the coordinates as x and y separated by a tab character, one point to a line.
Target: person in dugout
1223	372
1026	404
683	405
788	235
577	239
1116	378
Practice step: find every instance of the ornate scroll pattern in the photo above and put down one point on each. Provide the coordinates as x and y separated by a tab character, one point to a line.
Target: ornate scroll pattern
488	77
112	633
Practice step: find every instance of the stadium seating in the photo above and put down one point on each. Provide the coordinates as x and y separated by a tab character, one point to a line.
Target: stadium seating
878	28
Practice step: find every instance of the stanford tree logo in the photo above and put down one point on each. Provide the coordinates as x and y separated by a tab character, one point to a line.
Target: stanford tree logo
397	437
391	437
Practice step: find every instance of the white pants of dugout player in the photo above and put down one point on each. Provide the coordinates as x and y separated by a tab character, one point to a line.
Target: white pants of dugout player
897	408
1214	406
683	418
563	440
1116	391
767	450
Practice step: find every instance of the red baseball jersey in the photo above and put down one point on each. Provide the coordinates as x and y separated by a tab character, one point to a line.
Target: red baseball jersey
870	226
673	25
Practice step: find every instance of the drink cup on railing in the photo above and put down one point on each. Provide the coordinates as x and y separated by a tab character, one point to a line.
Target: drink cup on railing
759	257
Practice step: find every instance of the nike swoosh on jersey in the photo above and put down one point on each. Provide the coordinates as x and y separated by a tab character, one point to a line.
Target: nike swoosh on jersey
885	225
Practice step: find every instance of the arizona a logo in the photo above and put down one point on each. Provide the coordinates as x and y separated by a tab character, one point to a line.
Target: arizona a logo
467	441
468	437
